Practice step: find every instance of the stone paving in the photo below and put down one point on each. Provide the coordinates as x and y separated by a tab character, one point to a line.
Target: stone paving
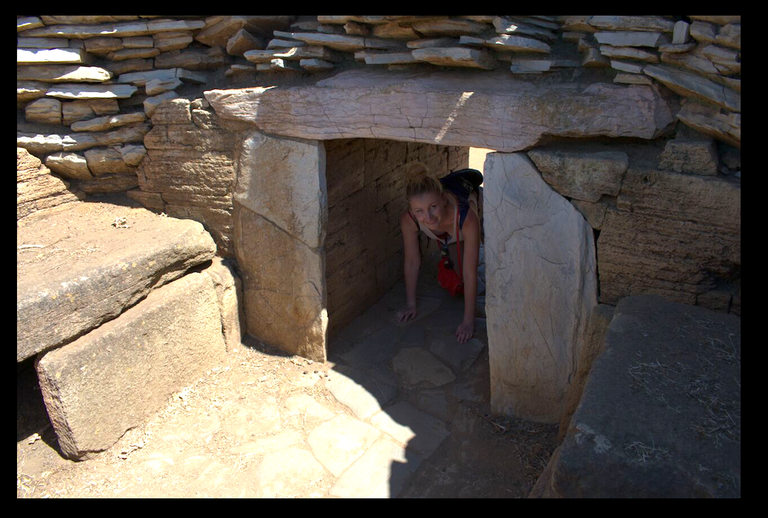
394	412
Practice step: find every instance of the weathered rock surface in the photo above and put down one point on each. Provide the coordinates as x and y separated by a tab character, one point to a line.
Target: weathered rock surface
660	416
63	74
540	250
690	152
110	380
685	232
712	121
581	175
44	111
96	269
283	286
36	187
467	109
69	165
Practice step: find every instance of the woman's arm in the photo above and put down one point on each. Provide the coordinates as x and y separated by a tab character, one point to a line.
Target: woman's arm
469	259
411	265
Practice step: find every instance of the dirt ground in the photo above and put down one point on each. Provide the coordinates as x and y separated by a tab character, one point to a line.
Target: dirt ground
197	445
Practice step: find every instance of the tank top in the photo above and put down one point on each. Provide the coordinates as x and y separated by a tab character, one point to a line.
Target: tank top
458	205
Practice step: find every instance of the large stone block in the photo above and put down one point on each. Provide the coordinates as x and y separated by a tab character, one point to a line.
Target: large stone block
36	187
89	269
660	416
284	291
474	109
541	288
110	380
283	180
579	174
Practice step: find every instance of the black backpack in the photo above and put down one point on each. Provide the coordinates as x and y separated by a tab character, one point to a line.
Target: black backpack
463	183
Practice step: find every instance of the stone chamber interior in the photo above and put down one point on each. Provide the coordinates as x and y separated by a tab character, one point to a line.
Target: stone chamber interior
366	181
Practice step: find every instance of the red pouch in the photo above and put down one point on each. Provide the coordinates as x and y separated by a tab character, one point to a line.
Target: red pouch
448	278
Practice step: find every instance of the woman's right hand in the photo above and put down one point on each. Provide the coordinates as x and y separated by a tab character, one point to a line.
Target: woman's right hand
406	314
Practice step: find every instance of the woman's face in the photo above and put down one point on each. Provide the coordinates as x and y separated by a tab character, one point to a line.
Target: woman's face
428	209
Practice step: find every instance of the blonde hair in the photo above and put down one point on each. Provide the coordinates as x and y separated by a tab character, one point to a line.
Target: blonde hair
420	181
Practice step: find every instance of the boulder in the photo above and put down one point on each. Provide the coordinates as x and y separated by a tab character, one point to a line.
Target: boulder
115	377
660	416
96	269
448	108
541	289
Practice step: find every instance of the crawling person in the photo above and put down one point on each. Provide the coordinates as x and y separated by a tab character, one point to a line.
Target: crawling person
446	211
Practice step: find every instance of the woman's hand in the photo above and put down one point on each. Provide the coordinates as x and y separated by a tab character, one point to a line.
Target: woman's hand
465	331
406	314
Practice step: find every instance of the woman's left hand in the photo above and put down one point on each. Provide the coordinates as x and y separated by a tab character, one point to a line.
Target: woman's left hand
465	331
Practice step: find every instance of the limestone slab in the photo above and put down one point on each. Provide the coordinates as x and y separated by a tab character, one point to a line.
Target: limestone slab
691	85
458	356
285	473
381	472
113	378
338	443
447	108
660	360
105	123
416	365
581	175
283	286
375	348
360	391
45	111
63	74
540	273
56	305
69	165
86	91
456	57
50	56
411	427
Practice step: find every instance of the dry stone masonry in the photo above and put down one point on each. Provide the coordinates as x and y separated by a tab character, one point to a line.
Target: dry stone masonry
615	169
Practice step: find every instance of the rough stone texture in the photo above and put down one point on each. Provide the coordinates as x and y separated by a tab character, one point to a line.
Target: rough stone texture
456	57
712	121
685	236
340	442
283	180
689	84
284	292
36	187
88	91
63	74
690	152
661	410
280	219
411	427
448	108
415	365
106	160
381	472
69	165
44	111
582	175
111	379
229	294
285	473
594	344
359	391
89	271
540	273
190	163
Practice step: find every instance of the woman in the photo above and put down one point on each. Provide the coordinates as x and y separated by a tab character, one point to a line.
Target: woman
442	216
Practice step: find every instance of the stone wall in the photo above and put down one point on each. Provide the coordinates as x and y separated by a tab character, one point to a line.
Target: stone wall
88	88
366	197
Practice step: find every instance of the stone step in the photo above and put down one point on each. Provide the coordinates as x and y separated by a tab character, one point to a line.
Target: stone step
89	270
112	379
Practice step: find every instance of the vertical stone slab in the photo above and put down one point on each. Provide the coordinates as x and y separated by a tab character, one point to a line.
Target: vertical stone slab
541	288
280	219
